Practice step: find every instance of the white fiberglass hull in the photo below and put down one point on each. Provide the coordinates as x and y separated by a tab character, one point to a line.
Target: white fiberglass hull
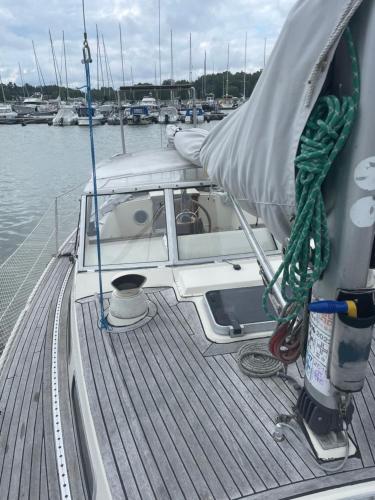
84	121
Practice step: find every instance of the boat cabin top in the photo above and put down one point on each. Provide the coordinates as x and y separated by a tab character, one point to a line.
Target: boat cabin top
157	209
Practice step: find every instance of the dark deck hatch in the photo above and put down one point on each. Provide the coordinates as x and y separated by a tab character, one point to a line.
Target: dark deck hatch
236	311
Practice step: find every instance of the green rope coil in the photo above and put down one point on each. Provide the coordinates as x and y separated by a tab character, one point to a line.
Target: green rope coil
308	250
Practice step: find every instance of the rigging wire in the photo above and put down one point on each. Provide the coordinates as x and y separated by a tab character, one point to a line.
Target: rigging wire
103	323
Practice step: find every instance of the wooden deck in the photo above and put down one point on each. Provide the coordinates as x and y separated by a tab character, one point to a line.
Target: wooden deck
28	466
175	418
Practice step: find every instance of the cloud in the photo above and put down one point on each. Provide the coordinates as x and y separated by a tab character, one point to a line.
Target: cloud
212	23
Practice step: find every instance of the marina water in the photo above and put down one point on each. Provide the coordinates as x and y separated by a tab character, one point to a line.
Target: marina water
39	162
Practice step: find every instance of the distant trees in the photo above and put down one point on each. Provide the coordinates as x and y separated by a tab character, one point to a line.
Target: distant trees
214	83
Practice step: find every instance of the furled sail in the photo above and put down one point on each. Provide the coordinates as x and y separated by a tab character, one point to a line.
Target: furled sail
251	153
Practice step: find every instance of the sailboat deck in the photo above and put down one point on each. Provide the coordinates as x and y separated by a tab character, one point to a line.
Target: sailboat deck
28	465
175	417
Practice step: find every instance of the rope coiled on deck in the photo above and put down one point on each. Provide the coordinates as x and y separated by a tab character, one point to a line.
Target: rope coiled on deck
255	360
308	250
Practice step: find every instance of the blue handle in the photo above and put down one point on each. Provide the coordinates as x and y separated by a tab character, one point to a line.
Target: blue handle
329	306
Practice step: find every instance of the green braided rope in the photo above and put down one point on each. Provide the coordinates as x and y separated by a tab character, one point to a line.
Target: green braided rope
308	250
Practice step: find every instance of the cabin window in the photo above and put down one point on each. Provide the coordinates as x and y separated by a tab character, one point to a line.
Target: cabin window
207	225
132	229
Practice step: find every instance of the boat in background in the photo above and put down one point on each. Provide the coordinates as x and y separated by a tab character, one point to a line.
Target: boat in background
83	117
7	115
113	118
168	114
66	115
152	106
187	117
36	106
139	115
228	102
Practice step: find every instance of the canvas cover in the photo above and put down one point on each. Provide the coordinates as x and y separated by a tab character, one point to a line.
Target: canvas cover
251	153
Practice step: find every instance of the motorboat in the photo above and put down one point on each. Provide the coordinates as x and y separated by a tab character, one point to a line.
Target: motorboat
7	115
187	117
36	105
83	116
140	115
113	119
168	114
152	106
227	102
65	116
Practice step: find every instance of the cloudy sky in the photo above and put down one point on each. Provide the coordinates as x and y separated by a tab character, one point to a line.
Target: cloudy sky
212	23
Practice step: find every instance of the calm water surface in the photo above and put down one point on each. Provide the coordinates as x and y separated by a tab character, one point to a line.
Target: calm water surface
38	162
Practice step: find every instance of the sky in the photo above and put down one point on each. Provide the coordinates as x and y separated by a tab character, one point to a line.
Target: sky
213	25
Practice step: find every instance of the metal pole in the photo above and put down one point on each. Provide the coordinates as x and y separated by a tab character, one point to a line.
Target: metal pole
122	57
159	46
23	86
264	53
66	69
2	88
54	62
228	72
121	123
259	252
194	108
190	62
56	226
172	73
244	71
338	349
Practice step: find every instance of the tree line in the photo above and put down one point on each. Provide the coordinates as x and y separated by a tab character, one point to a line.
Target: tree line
211	84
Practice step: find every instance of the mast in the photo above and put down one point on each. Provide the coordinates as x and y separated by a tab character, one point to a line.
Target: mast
66	69
2	88
99	55
54	62
228	72
38	69
172	75
25	92
106	66
190	62
244	70
97	59
205	75
132	79
122	57
264	52
159	46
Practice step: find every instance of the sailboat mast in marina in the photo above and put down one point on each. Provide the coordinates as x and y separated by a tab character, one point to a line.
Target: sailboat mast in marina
190	61
65	67
24	87
244	70
57	76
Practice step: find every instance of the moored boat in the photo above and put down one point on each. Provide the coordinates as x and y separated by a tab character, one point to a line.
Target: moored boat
65	116
7	115
83	117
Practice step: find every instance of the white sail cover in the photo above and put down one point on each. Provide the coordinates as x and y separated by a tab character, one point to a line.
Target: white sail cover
251	153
